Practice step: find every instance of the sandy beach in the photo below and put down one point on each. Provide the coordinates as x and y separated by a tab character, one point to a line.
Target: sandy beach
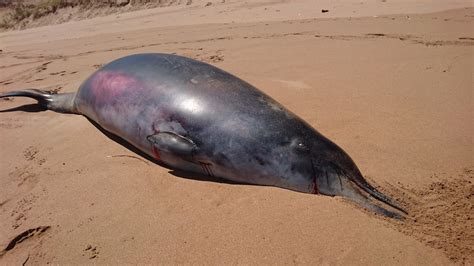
388	81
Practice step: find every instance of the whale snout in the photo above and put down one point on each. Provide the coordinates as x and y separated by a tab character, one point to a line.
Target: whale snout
336	174
333	181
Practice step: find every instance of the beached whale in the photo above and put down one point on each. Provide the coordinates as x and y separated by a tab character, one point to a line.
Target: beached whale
195	117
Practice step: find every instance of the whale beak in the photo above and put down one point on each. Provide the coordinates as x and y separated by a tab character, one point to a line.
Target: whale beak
354	187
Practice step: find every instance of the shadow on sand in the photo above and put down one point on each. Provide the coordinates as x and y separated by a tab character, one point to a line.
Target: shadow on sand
29	108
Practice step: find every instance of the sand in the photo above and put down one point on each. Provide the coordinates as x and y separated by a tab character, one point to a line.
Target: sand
389	81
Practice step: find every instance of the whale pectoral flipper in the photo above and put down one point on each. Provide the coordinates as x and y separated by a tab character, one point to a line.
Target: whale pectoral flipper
173	143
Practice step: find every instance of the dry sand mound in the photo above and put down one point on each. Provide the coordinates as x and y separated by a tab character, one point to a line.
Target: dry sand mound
441	214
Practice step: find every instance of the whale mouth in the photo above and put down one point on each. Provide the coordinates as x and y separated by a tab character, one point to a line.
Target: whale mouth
335	182
363	196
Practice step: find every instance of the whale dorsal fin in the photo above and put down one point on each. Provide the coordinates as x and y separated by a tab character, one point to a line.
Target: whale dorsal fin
173	143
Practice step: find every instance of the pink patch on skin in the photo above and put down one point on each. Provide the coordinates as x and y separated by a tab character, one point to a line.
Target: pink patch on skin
156	153
108	86
315	186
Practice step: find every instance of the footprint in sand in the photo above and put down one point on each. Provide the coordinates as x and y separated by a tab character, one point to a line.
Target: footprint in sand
91	251
21	210
61	73
30	154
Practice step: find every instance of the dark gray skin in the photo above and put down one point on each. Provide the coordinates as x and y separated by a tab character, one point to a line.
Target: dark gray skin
195	117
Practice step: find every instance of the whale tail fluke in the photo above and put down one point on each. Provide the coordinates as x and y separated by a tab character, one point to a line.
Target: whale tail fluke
61	103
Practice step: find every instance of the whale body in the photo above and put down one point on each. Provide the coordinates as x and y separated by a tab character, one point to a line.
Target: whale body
192	116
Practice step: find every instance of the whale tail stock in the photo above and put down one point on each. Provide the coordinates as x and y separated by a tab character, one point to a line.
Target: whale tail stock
61	103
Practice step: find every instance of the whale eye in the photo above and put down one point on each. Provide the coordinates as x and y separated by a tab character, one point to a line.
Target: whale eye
299	145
